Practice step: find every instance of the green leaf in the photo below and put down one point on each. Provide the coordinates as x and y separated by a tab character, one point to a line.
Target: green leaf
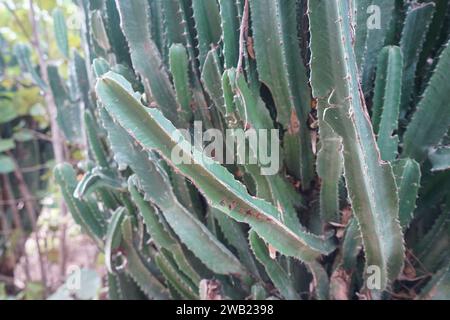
230	36
431	120
321	280
122	287
174	23
179	67
175	277
95	144
329	166
386	101
7	144
60	30
115	34
212	80
276	273
352	245
6	164
414	32
436	35
236	236
160	235
438	288
113	237
93	180
23	55
68	113
100	66
85	213
281	69
146	58
137	268
407	177
80	79
7	111
207	24
371	36
258	292
432	248
99	31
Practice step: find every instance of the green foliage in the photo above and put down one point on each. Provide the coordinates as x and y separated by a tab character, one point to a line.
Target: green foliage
6	164
351	176
25	152
370	40
387	101
68	111
60	30
23	56
414	31
283	72
431	120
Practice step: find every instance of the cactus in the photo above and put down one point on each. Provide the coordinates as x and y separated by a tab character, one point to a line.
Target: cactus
352	179
387	90
346	114
60	30
370	40
414	31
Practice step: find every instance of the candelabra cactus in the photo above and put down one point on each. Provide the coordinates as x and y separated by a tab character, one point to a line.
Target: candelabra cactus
360	204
